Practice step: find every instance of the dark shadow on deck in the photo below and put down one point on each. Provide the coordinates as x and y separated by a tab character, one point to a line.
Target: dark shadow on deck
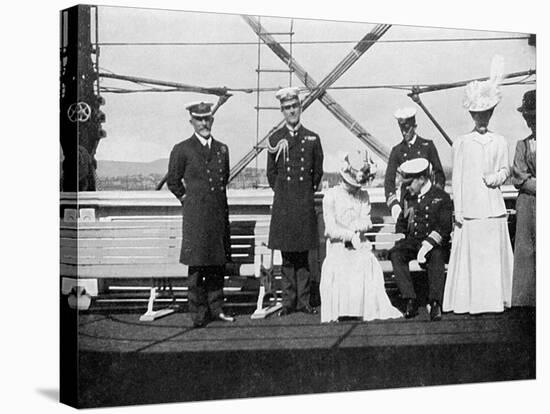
122	361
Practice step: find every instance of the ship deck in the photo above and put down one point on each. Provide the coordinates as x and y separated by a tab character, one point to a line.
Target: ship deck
124	361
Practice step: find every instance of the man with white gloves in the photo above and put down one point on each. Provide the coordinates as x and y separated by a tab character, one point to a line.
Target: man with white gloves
411	147
426	221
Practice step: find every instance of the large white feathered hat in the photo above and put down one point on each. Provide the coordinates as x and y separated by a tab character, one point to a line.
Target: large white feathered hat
484	95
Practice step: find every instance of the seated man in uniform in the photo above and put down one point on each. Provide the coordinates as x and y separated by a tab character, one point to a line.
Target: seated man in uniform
426	221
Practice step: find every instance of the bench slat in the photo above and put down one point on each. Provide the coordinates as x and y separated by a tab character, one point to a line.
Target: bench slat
127	242
123	270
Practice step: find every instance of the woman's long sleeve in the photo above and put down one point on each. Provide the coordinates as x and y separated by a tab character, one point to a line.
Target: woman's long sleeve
522	177
333	230
503	164
457	180
363	222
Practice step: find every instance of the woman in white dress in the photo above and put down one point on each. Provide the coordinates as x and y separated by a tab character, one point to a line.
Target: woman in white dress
352	282
479	277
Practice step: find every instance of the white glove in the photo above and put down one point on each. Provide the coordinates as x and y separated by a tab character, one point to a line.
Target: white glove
490	180
356	241
395	211
459	218
495	180
421	256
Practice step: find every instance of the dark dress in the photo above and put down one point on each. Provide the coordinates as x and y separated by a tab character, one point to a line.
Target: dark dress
524	179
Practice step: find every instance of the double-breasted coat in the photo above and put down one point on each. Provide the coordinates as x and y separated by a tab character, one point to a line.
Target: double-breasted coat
421	148
294	175
427	217
205	174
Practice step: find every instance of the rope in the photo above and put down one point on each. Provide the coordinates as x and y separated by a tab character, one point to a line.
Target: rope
314	42
280	147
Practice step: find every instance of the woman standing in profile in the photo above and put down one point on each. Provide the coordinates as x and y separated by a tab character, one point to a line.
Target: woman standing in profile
352	282
479	277
525	180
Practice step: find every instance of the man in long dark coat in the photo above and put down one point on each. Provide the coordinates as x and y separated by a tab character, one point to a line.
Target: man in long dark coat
294	171
412	146
203	164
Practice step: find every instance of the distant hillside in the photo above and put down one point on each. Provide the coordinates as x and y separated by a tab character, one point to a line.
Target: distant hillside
125	168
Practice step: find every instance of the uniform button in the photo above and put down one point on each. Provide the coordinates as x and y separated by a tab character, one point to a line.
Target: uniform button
303	141
288	178
426	216
211	188
302	168
221	179
301	178
288	168
405	154
287	159
303	150
221	170
418	152
219	161
221	188
302	159
207	171
210	179
426	207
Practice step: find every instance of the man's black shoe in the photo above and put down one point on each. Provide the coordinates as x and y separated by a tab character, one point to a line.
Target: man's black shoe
285	311
411	309
309	310
199	324
435	311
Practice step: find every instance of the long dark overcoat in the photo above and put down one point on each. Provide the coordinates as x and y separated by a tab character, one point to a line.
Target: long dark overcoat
294	176
205	174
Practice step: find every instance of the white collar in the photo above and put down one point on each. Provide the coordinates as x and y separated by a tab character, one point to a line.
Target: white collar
204	141
482	138
425	188
295	129
412	141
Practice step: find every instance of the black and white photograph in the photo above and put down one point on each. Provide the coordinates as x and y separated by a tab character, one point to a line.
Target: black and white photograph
262	208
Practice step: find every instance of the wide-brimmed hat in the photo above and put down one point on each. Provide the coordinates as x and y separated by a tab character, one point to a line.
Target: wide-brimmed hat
357	168
200	109
411	169
481	96
529	103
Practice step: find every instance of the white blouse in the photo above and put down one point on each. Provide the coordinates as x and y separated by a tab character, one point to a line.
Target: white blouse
345	213
477	155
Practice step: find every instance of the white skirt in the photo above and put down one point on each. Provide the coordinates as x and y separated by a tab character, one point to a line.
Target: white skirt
352	284
479	278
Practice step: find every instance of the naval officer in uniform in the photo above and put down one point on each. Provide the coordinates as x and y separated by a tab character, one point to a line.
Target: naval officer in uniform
412	146
198	173
426	221
294	171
